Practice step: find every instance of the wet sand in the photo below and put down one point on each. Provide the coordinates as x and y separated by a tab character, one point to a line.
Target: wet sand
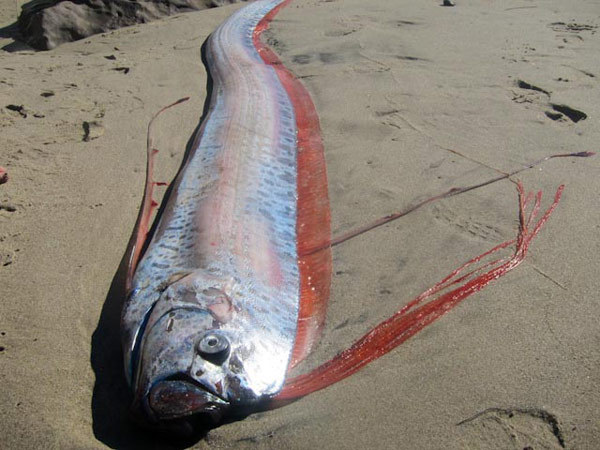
400	87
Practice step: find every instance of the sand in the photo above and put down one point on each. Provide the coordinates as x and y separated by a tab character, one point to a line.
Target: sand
399	86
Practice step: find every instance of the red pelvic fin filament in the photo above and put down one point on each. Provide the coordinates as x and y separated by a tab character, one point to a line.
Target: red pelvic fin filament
149	205
466	280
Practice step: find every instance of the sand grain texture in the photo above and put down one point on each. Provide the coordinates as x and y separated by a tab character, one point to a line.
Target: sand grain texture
398	85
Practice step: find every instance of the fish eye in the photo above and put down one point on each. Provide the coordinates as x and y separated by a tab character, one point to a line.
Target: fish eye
214	347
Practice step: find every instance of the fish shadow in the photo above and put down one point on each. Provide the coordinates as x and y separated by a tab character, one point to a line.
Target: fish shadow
111	420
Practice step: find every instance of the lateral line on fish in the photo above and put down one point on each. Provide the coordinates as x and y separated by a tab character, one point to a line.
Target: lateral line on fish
410	319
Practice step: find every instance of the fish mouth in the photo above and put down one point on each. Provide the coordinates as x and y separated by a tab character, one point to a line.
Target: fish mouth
181	396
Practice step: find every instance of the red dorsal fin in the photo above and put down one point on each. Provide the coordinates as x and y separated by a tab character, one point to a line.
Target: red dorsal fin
142	225
424	309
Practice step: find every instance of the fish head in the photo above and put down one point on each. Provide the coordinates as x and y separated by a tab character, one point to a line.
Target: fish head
190	362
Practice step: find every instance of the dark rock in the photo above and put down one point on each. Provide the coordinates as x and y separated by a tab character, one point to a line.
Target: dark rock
45	24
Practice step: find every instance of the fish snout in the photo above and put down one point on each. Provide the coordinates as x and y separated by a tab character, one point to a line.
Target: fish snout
181	396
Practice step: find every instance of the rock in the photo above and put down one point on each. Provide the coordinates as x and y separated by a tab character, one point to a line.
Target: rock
45	24
92	130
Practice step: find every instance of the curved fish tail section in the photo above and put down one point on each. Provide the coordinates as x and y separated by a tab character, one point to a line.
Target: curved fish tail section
423	310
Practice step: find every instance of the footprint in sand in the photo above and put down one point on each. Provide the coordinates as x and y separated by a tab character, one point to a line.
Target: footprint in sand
513	428
571	32
468	225
530	93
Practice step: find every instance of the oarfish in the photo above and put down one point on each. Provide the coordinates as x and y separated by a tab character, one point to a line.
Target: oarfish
230	292
225	299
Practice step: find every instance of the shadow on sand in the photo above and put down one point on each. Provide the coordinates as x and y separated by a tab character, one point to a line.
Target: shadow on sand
111	398
12	32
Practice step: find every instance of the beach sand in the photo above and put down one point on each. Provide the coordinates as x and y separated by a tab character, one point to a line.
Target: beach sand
400	87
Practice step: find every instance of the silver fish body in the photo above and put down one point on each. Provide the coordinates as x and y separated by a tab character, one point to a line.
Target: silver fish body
212	316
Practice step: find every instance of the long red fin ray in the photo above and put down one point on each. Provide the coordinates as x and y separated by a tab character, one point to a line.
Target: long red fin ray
149	205
450	279
449	193
443	286
412	318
